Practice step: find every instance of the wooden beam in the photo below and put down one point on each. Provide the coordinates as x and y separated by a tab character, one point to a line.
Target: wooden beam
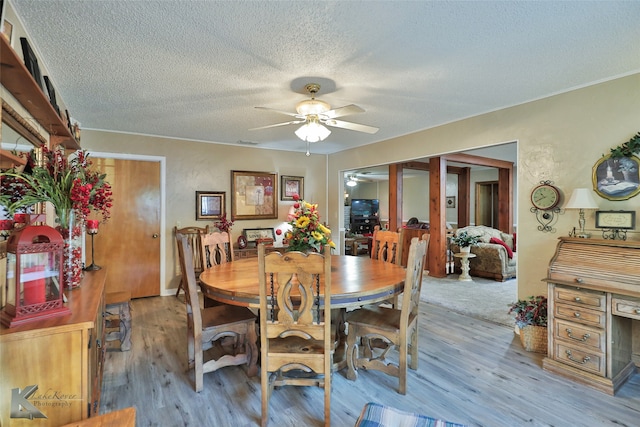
437	217
395	196
464	197
478	160
505	200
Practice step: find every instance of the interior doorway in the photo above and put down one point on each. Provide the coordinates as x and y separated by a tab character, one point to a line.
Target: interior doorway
487	204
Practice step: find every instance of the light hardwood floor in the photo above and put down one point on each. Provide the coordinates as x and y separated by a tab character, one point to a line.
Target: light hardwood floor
471	371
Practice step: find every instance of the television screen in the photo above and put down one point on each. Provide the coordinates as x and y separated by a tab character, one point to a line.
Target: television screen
364	207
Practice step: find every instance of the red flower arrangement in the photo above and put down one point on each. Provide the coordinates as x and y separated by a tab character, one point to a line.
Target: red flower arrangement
68	184
224	225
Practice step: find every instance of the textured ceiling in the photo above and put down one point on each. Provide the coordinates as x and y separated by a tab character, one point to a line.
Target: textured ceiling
196	69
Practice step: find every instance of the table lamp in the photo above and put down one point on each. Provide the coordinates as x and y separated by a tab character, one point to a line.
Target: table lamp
581	198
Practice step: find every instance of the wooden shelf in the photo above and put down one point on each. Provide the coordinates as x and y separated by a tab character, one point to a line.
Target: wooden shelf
9	160
16	78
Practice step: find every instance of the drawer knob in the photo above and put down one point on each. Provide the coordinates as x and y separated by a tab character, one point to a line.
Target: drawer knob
579	280
573	359
577	299
576	314
637	311
583	339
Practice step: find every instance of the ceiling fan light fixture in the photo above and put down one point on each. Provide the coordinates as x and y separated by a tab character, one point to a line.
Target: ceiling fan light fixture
312	107
352	182
312	131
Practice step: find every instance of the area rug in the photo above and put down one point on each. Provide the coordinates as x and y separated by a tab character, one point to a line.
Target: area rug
482	298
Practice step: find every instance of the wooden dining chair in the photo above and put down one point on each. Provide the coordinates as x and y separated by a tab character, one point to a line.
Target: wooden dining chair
208	328
217	249
295	323
386	246
193	236
397	328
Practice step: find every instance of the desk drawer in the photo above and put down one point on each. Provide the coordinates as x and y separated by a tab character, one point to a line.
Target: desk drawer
591	361
586	336
625	307
581	315
581	297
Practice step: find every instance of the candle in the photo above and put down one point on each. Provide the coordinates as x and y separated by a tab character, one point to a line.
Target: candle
20	218
6	224
92	226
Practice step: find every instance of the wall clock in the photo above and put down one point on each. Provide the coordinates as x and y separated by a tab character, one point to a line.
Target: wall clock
545	196
545	199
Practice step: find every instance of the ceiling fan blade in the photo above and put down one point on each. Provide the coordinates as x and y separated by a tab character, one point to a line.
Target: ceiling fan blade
278	111
343	111
293	122
351	126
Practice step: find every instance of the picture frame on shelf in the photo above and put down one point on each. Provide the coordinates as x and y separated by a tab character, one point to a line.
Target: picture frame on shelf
254	195
210	205
7	30
290	186
623	220
617	178
31	62
254	234
52	94
451	201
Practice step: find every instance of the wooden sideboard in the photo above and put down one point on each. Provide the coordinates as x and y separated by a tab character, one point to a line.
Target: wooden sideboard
252	252
62	356
594	312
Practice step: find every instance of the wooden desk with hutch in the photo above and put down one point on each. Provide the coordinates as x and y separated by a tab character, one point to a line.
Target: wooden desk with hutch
63	356
594	312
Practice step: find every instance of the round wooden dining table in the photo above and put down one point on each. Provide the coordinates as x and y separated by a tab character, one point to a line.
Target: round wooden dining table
355	281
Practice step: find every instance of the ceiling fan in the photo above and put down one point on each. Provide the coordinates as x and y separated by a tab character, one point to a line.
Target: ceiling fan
314	114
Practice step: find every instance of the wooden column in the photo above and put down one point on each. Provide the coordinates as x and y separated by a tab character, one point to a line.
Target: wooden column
437	216
395	197
505	199
464	197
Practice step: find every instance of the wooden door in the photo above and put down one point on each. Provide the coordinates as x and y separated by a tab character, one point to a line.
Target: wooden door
487	204
129	243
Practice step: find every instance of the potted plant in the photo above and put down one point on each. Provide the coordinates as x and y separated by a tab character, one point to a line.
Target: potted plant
531	320
465	240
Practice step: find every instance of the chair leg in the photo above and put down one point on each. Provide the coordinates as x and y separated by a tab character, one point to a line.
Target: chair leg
180	286
402	369
264	385
414	348
125	326
198	369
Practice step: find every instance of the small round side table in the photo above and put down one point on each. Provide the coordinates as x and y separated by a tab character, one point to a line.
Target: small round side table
464	264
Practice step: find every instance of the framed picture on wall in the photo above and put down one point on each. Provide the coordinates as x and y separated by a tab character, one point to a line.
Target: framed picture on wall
210	205
254	195
290	186
451	201
617	179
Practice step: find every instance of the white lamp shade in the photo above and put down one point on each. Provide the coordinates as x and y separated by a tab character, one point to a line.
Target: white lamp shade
313	132
582	198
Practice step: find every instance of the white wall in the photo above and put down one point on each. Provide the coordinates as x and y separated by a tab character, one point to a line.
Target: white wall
559	138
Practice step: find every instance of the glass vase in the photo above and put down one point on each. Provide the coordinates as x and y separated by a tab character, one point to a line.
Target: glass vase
70	226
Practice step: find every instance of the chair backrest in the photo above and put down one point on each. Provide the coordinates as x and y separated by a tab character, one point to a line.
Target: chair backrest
216	249
193	237
293	299
386	246
406	234
413	280
194	316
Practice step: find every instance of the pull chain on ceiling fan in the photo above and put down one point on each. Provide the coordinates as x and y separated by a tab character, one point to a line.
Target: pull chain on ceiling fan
315	115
